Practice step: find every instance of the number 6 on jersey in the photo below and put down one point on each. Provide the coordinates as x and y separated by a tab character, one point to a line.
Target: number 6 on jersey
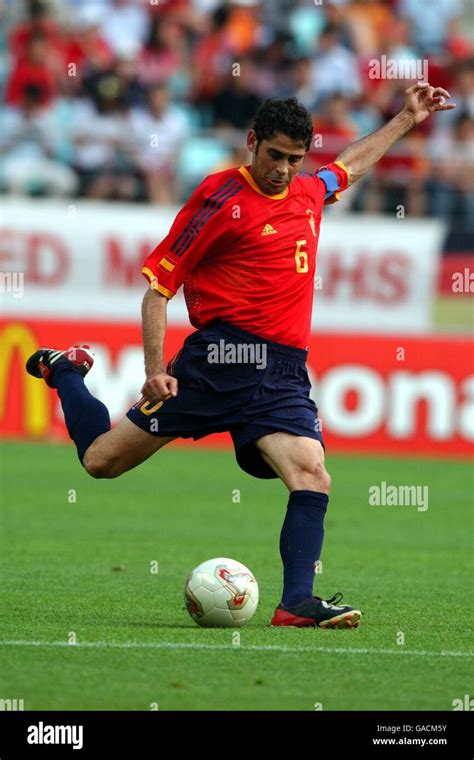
301	257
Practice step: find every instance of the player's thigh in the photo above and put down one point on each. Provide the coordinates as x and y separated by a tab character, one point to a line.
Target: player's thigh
297	460
121	449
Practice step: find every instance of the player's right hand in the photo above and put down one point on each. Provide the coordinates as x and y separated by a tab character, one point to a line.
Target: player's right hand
159	387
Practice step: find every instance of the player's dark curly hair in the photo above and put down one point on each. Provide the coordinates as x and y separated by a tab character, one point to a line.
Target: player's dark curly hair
288	117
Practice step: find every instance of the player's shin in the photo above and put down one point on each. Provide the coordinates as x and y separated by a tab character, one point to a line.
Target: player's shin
86	417
301	542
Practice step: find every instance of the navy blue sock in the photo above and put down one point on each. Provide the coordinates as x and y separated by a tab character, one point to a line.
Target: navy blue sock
86	417
301	541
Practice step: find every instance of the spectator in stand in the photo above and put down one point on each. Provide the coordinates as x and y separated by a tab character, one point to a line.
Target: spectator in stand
244	27
126	26
369	21
305	25
235	105
156	135
102	145
400	175
233	31
335	12
212	58
272	63
41	23
451	187
239	156
333	131
335	68
383	94
126	69
105	64
33	69
91	52
432	24
446	200
28	145
164	58
462	91
298	80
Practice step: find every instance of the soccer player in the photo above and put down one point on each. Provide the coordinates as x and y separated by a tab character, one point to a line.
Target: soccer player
244	246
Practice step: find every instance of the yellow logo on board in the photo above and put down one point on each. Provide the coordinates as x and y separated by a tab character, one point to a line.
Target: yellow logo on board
17	338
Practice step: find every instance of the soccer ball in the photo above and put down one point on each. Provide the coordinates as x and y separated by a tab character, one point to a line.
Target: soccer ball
221	593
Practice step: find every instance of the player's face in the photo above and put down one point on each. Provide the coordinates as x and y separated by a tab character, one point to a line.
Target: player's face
275	161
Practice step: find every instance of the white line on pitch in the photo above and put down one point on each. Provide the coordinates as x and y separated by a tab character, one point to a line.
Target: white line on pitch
242	647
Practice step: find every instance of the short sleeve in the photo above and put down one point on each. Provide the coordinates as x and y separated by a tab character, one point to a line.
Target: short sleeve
336	179
195	234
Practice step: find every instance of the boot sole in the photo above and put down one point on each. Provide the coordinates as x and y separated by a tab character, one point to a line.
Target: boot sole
346	620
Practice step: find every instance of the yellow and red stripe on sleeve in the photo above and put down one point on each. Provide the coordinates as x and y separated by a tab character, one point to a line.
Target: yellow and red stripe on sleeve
153	280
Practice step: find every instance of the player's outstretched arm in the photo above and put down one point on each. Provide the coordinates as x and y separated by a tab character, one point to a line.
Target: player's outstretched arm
158	385
420	101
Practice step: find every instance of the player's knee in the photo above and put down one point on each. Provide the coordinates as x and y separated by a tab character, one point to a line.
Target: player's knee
313	475
318	477
99	467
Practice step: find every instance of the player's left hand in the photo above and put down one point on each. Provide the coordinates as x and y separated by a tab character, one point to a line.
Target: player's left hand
422	99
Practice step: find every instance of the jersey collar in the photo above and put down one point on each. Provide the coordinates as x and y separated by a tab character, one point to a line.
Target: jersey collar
246	175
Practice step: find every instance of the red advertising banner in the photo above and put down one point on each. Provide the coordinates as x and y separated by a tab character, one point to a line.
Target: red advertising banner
388	395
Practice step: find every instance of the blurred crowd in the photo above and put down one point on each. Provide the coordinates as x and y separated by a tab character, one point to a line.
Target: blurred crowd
140	99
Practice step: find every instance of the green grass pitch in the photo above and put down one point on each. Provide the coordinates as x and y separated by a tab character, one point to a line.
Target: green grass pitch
137	649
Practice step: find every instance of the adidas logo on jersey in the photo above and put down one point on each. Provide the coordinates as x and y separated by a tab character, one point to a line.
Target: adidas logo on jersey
269	230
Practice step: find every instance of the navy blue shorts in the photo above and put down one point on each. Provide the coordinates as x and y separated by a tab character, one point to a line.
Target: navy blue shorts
231	380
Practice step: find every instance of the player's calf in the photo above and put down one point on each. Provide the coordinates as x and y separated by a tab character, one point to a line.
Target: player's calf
86	417
121	449
104	452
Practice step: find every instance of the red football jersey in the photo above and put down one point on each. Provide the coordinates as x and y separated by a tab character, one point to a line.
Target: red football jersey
246	257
